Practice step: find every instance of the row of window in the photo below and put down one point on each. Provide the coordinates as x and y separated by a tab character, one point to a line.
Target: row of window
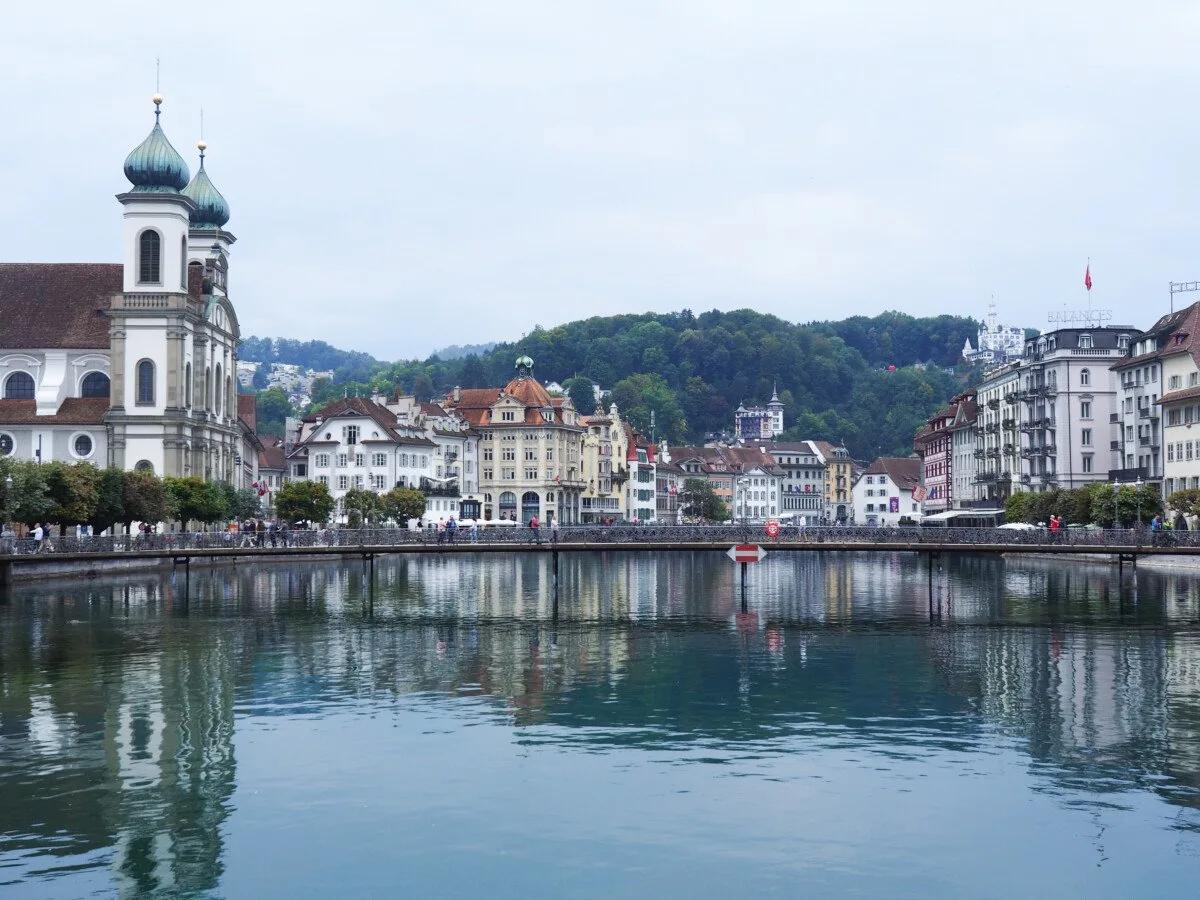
21	386
1182	451
81	445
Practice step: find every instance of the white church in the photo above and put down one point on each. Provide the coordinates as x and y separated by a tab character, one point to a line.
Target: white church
132	364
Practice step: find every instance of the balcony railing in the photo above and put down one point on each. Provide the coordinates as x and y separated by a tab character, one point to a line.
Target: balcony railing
439	488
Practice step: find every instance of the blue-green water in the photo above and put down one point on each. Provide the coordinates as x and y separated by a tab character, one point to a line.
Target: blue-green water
443	727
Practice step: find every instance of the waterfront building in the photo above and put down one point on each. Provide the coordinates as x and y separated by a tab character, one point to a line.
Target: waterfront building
1167	424
132	364
1140	453
668	485
641	460
802	480
996	343
1068	406
839	480
530	446
359	444
453	486
963	444
603	454
759	423
946	445
884	494
746	479
272	471
997	445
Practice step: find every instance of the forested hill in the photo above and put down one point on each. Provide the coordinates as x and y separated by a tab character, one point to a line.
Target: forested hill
694	370
347	365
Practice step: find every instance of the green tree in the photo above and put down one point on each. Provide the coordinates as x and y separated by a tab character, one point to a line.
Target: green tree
1017	508
195	500
423	388
110	500
304	501
29	501
74	492
700	501
582	393
272	409
241	504
1186	501
638	395
364	504
145	499
401	504
472	374
259	382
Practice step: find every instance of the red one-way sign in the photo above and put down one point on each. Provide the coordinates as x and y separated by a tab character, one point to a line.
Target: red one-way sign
746	553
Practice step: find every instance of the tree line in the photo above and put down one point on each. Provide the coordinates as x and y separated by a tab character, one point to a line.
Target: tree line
835	379
1105	505
70	494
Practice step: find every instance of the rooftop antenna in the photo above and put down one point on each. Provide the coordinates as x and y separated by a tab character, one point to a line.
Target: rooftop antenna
1182	287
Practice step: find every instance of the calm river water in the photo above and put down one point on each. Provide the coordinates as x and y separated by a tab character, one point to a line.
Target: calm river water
443	727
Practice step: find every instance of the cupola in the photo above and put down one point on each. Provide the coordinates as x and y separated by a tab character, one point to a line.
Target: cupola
211	209
154	166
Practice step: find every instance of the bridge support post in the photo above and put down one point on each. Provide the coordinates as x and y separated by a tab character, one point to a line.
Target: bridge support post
6	575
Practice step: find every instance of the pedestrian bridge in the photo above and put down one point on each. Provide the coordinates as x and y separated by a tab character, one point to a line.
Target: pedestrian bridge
88	555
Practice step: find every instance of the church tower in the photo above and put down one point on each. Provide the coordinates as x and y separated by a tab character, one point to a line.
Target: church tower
173	333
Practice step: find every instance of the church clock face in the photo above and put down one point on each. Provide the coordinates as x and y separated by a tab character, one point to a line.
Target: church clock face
6	445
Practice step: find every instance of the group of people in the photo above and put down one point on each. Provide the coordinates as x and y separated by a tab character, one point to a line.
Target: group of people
259	533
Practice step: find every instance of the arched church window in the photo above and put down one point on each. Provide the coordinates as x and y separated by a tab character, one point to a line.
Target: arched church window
188	387
145	383
19	386
94	384
218	391
149	257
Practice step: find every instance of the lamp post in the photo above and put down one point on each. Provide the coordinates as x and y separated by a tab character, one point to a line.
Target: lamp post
1137	493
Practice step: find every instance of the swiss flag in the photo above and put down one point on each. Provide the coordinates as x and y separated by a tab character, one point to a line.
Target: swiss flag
1087	277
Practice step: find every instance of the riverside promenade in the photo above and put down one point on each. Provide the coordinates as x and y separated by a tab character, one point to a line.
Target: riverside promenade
84	556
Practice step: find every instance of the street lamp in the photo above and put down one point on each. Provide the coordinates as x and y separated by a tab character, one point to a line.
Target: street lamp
1137	493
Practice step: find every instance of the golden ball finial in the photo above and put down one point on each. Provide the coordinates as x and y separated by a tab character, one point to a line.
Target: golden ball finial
158	99
201	146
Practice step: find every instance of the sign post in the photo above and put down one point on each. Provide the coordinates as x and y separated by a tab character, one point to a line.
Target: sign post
745	554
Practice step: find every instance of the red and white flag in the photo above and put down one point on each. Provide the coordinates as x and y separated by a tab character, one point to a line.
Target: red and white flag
1087	277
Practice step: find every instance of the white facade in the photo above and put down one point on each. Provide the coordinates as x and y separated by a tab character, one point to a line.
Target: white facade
883	498
996	343
756	495
1180	410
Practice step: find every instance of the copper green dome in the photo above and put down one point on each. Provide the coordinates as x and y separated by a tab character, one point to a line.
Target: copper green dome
211	209
154	166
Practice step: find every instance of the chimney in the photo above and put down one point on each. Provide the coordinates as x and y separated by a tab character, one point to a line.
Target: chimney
457	394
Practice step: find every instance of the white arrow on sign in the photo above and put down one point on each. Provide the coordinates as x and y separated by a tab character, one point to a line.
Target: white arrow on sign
746	553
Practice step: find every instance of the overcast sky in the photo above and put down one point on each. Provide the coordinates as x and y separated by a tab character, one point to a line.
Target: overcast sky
404	176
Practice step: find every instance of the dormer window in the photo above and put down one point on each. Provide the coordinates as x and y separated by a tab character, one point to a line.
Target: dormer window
1123	342
1085	342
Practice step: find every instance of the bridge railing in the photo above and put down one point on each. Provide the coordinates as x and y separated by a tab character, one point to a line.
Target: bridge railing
617	535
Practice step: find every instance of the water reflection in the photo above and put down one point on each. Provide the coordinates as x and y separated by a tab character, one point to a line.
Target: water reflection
121	701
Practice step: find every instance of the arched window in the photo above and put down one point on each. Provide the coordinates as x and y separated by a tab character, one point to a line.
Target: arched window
94	384
531	505
218	397
149	257
144	465
508	505
1085	377
188	387
145	383
19	386
207	388
230	398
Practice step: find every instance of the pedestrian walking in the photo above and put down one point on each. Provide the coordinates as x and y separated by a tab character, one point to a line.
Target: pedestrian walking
535	527
451	530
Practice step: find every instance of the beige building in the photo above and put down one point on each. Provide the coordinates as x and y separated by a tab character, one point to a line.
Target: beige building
604	450
997	446
530	448
839	481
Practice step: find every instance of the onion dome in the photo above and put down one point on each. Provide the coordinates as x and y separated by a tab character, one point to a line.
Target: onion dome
524	365
154	166
211	209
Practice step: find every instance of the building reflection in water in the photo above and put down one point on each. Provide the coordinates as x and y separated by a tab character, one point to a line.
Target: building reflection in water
119	701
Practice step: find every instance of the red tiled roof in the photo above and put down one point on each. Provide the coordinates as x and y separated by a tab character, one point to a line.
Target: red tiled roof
432	409
56	305
1187	393
905	471
248	410
359	406
271	456
73	411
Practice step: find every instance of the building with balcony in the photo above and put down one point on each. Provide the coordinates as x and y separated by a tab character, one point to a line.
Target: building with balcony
531	448
1067	403
605	469
802	480
746	479
946	442
996	451
1144	381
